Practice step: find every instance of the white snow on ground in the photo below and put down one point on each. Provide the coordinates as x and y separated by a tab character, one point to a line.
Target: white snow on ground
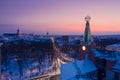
57	72
30	71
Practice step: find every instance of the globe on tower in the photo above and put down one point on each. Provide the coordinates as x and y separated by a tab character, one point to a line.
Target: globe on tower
87	18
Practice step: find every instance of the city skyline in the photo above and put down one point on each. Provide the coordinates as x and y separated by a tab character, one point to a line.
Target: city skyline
59	17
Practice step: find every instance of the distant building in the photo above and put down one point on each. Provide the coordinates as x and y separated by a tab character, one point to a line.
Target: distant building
18	32
12	34
47	34
65	38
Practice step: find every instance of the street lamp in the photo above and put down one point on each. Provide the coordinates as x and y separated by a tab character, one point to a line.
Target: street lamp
0	59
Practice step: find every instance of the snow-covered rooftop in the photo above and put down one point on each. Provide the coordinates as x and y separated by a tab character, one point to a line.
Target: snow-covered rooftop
114	47
80	67
97	53
117	65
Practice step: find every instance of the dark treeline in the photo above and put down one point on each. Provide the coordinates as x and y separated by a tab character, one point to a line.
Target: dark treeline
23	47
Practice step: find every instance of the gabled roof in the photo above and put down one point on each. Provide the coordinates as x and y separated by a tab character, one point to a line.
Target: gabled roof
69	70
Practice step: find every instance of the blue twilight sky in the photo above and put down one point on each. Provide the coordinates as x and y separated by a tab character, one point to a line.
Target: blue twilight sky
59	16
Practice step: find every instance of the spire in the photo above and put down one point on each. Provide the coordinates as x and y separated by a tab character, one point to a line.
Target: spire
87	34
18	31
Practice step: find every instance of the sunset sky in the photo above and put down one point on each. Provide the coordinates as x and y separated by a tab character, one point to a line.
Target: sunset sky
59	16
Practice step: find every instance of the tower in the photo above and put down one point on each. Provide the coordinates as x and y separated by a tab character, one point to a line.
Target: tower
87	33
87	42
18	32
47	34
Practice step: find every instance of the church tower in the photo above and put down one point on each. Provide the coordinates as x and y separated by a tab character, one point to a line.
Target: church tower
87	33
87	43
